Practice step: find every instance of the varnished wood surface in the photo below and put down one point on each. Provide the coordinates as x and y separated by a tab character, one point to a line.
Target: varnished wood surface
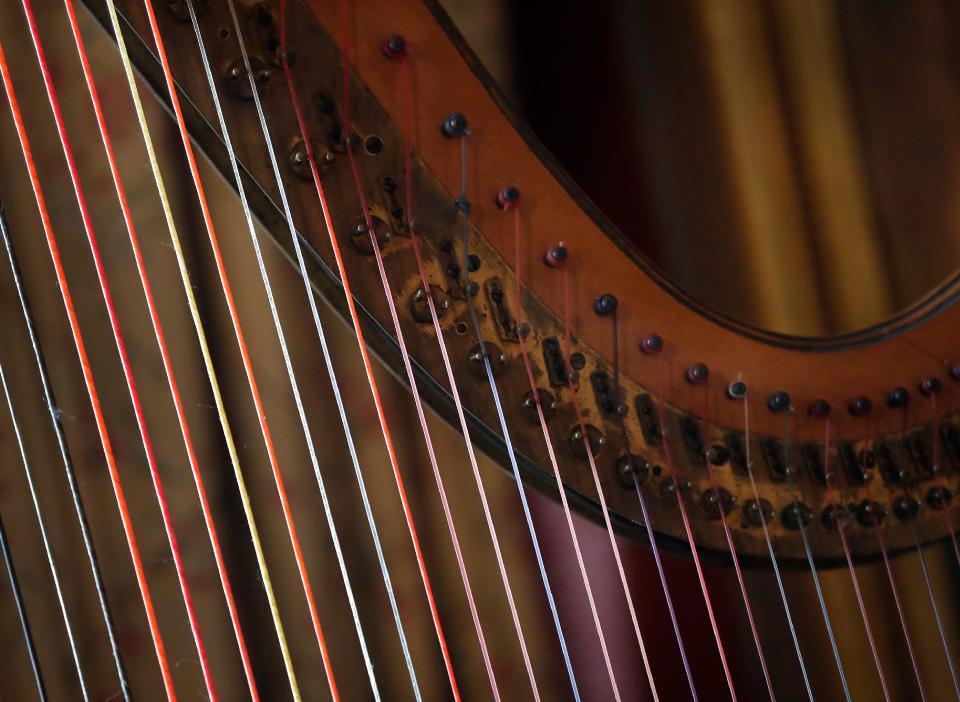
850	632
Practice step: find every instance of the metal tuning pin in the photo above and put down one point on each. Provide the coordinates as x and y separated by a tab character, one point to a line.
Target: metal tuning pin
556	255
395	47
507	197
697	374
454	126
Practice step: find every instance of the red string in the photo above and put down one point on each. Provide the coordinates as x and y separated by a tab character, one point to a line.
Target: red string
408	146
665	440
162	344
88	380
124	358
596	479
368	366
733	550
528	366
245	356
841	527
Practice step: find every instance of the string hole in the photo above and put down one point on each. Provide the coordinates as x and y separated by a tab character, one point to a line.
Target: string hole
223	33
461	328
373	145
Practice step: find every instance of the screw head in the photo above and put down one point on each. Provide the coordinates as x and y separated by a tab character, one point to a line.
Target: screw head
718	454
395	47
631	470
507	196
778	401
860	406
697	373
835	516
758	512
905	508
556	255
939	497
652	343
898	397
605	305
930	386
454	126
796	515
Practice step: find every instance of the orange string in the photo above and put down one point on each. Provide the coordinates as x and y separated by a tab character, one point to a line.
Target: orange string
244	354
88	380
365	356
164	352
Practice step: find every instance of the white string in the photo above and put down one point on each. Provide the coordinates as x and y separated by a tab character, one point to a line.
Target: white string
813	571
47	548
268	288
54	411
328	361
773	557
506	434
205	353
936	610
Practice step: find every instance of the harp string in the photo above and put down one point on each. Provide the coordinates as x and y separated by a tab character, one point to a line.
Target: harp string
408	148
651	536
288	74
568	347
733	550
491	528
938	478
368	367
821	601
22	613
888	568
160	337
561	488
945	491
75	495
240	337
126	366
202	342
766	536
45	539
936	610
841	530
923	562
89	383
281	336
466	433
685	518
464	206
953	532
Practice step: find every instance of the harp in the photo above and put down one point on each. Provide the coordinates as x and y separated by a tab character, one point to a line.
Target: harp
367	142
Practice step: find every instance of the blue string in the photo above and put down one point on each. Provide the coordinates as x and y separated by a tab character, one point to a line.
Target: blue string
465	209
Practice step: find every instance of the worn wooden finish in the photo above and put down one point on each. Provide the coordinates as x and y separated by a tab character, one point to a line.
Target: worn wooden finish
899	352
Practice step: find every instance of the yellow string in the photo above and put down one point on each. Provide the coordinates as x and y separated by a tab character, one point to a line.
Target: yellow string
204	349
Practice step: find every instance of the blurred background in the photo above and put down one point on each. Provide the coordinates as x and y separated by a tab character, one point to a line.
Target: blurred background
793	163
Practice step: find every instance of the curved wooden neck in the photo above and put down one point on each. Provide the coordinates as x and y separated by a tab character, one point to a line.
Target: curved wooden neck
447	79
